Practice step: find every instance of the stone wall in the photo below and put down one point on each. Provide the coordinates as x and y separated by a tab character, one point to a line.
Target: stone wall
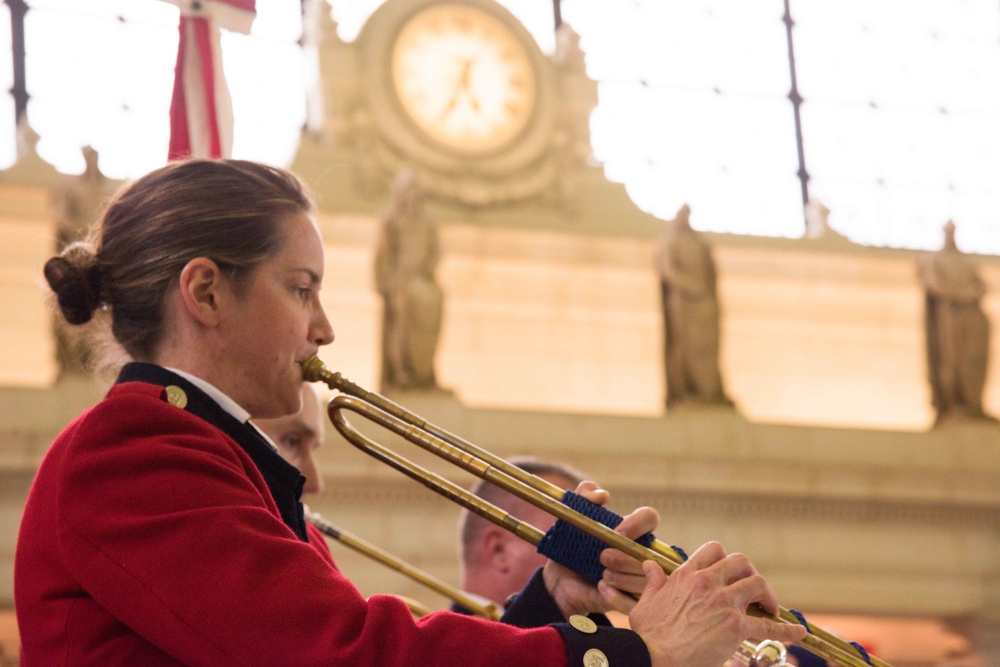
828	475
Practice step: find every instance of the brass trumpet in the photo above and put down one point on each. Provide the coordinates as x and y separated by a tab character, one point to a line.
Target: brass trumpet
365	548
418	609
539	492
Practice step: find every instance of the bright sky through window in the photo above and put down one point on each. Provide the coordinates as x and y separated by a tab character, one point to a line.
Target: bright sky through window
900	118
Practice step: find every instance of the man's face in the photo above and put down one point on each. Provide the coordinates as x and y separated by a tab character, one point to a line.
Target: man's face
298	436
524	559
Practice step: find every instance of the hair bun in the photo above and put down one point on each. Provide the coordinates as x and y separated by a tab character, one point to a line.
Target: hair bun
75	278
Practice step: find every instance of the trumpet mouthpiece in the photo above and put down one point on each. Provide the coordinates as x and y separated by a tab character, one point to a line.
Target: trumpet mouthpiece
313	369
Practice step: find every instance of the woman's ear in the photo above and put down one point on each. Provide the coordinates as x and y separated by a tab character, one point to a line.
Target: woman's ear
201	283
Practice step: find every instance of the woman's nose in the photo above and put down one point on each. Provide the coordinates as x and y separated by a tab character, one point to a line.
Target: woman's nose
322	333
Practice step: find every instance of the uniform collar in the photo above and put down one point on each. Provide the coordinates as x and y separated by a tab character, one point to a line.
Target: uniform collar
284	480
226	403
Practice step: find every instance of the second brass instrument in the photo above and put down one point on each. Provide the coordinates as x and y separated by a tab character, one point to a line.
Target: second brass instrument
488	610
528	487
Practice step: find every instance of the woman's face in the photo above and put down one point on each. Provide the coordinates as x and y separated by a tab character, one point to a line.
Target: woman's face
278	322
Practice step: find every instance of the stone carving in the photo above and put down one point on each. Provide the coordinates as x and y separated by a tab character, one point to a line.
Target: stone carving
368	125
957	331
77	204
407	256
570	148
80	200
568	55
818	223
369	178
30	168
690	315
312	37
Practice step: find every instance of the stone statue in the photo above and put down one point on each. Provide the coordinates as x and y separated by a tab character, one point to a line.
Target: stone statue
29	168
407	256
570	147
77	204
568	54
957	331
690	315
80	201
818	223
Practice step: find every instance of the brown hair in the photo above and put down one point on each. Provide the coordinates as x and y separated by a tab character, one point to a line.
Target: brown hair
226	210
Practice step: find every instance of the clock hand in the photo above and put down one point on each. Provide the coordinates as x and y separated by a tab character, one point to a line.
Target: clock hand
461	87
466	74
452	103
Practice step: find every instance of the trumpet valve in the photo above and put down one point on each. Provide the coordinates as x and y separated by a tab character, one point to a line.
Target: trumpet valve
769	653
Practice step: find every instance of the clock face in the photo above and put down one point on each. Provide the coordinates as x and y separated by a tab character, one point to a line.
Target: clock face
463	78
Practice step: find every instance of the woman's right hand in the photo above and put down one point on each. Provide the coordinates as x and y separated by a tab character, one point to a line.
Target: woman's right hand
697	616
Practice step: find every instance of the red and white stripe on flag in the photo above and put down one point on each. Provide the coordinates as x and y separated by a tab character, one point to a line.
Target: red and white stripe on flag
201	111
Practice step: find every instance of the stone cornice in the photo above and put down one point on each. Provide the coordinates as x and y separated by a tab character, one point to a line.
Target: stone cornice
785	508
721	505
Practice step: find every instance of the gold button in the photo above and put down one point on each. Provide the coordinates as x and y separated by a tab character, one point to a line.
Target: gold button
176	396
595	658
583	624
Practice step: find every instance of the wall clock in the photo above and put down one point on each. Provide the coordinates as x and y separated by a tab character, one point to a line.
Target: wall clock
460	92
463	77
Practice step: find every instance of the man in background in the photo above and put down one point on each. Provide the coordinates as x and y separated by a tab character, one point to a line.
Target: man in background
496	563
298	436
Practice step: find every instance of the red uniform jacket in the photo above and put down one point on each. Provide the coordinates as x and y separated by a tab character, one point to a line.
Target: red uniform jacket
150	538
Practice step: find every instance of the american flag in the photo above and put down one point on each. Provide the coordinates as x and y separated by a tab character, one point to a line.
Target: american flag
201	111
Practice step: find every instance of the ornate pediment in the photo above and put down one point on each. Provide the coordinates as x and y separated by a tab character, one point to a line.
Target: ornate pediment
460	92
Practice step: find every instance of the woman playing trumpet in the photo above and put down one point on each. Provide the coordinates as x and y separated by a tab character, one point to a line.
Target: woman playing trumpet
163	529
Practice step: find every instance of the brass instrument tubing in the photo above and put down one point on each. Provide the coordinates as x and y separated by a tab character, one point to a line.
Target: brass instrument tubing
542	494
470	501
461	496
418	609
366	548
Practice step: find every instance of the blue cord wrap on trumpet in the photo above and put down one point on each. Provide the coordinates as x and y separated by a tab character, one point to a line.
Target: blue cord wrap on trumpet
575	549
802	619
862	651
858	647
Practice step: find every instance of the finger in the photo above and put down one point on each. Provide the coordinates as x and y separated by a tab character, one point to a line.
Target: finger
592	492
755	590
786	633
704	556
732	568
639	522
619	561
615	599
655	576
628	582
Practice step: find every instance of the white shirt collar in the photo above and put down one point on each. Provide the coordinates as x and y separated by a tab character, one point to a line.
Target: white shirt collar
226	403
